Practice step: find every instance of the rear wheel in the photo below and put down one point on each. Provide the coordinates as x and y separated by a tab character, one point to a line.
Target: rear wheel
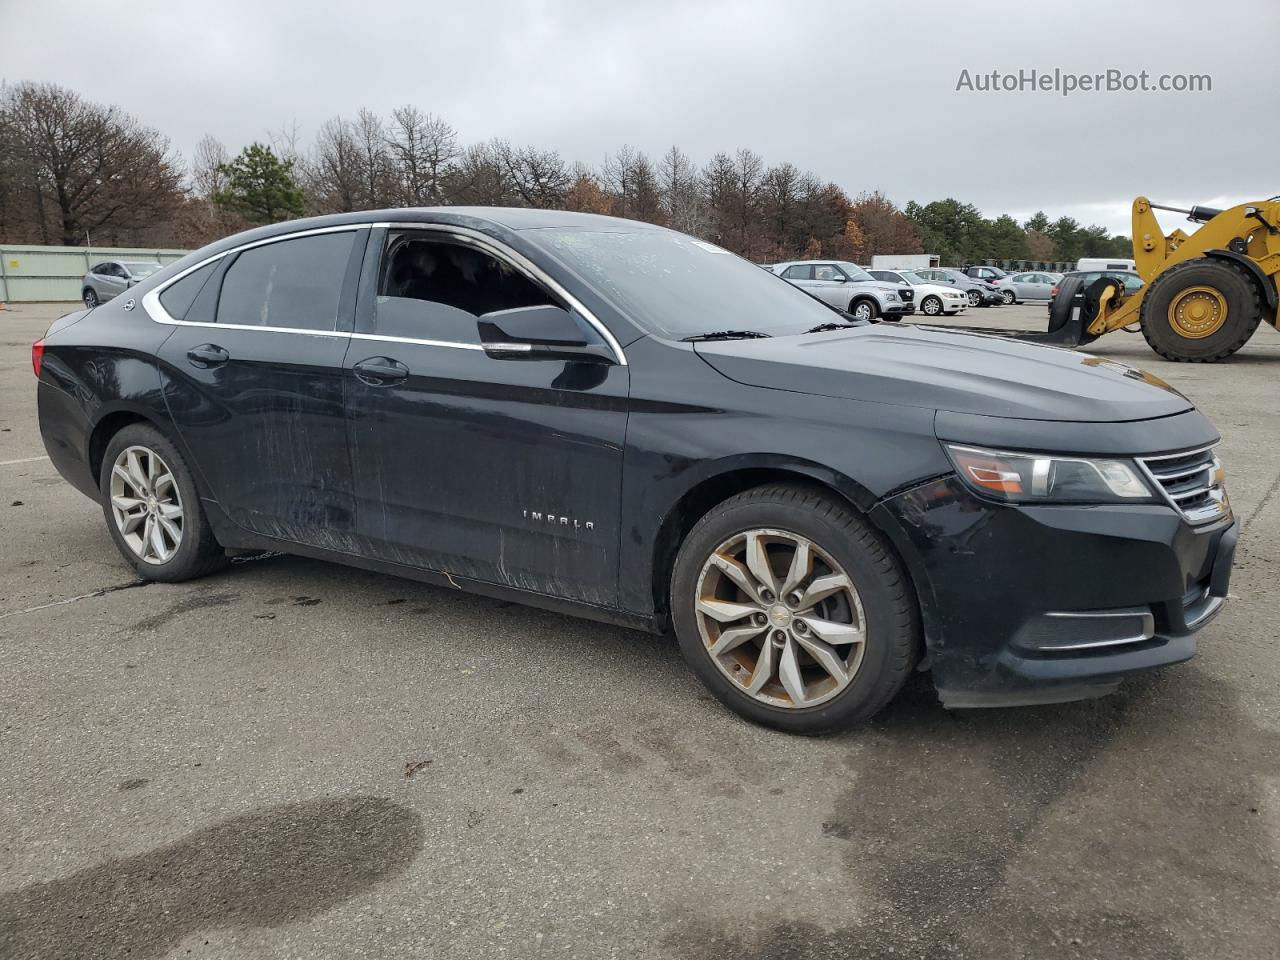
90	297
931	306
863	309
1200	311
792	611
1008	297
152	508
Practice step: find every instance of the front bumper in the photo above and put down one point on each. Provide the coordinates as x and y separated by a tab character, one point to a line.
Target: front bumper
899	310
1043	604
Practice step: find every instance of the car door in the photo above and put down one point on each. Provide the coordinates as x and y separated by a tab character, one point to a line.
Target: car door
1040	287
111	281
801	274
253	378
506	471
830	283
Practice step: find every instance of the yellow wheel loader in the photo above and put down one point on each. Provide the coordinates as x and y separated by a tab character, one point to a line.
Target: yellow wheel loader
1203	293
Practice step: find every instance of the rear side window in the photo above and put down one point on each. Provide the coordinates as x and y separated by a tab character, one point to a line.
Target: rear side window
294	284
178	297
798	272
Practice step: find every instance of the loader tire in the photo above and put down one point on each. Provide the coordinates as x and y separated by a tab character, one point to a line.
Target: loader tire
1200	311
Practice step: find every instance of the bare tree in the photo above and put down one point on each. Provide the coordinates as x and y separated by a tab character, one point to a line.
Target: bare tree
629	176
333	172
423	148
680	192
207	178
481	176
377	178
540	177
87	168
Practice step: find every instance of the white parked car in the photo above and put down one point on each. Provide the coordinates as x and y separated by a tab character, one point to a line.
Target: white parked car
1036	285
932	299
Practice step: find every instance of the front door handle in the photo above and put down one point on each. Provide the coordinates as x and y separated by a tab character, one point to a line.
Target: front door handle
207	355
381	371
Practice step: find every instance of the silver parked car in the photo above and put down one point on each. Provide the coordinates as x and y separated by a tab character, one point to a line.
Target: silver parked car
111	277
1027	286
848	287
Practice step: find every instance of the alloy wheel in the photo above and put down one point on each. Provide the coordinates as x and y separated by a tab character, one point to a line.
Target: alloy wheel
780	618
1007	297
146	504
90	299
862	311
974	298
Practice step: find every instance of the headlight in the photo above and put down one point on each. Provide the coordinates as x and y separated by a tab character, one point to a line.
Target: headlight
1032	478
891	296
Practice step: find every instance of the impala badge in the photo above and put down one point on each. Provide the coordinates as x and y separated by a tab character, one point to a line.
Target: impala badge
555	520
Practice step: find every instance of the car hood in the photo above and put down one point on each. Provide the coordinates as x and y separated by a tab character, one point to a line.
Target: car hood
879	285
948	370
924	289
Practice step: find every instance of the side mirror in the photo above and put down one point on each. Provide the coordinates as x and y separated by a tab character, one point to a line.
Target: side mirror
538	333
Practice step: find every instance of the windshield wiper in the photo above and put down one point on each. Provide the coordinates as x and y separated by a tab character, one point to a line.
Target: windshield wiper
824	327
726	335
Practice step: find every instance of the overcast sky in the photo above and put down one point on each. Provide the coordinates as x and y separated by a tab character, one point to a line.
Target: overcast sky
860	93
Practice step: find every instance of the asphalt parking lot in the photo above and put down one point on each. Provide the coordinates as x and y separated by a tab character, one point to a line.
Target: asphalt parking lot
293	759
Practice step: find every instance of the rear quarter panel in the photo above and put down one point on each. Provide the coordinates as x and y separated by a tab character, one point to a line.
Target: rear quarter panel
100	365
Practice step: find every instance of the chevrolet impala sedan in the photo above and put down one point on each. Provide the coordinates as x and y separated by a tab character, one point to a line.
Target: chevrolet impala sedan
618	421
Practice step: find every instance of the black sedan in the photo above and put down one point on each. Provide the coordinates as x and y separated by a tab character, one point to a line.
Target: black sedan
619	421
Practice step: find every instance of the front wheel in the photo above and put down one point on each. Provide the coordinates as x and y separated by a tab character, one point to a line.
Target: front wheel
1008	297
863	309
975	298
152	508
931	306
1200	311
792	611
90	298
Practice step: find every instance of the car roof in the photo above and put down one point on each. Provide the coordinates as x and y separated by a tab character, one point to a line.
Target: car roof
510	218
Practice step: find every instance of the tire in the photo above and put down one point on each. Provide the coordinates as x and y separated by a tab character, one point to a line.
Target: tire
195	552
1226	284
931	306
90	298
1008	297
880	601
975	298
864	309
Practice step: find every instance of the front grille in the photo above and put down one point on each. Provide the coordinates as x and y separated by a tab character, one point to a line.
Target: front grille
1193	481
907	295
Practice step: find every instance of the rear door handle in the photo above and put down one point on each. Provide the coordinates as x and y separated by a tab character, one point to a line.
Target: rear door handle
207	355
381	371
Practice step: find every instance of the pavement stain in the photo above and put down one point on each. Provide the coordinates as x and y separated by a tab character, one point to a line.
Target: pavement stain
950	825
274	866
199	601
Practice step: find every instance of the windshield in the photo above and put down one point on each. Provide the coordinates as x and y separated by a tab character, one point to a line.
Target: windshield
675	286
914	278
141	269
854	271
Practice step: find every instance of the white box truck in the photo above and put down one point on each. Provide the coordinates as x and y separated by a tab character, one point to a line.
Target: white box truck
905	261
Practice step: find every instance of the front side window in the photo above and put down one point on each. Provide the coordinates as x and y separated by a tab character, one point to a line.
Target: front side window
825	271
675	285
292	284
431	288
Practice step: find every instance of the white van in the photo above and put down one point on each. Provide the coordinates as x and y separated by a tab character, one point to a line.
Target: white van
1106	263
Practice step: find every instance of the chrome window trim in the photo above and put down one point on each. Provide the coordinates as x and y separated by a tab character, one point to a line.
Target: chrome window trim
425	343
520	262
158	314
